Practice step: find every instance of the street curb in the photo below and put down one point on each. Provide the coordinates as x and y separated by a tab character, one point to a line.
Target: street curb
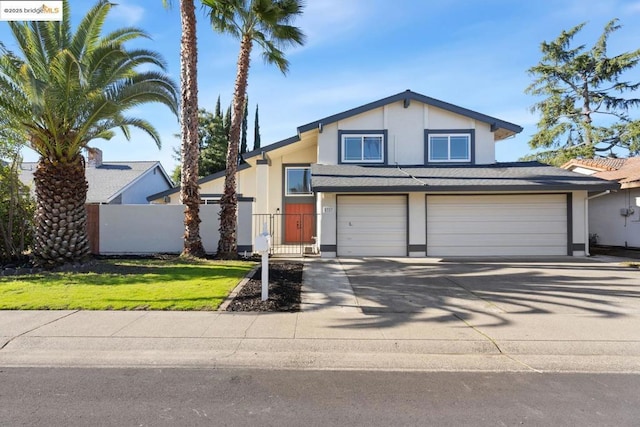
225	304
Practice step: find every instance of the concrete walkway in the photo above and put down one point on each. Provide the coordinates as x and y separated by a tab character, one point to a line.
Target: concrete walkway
331	332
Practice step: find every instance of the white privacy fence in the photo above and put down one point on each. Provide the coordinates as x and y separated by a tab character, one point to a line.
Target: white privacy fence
150	229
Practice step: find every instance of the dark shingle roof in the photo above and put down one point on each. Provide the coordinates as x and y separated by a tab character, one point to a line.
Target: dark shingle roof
105	181
517	176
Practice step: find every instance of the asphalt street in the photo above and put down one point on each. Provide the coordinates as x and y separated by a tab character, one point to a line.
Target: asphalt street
239	397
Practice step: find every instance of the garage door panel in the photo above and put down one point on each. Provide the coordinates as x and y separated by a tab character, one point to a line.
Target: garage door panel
509	251
372	226
507	228
497	225
549	240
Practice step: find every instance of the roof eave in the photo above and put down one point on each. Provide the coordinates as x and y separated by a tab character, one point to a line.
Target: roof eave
465	188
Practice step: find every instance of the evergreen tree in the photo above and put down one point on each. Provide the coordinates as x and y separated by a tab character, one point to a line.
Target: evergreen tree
256	131
243	136
218	110
578	87
227	122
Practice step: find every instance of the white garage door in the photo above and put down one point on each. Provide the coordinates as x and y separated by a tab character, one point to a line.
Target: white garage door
372	225
497	225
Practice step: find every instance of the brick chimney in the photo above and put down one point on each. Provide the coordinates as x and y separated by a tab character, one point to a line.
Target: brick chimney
94	157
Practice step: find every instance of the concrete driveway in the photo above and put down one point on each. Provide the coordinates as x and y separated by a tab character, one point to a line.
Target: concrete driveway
592	303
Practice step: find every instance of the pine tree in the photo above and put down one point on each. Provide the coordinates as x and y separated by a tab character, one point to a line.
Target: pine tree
579	86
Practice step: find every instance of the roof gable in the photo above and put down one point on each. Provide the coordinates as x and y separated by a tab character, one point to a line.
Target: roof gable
502	128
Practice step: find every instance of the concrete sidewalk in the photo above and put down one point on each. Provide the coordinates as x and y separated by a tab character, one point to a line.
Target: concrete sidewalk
331	332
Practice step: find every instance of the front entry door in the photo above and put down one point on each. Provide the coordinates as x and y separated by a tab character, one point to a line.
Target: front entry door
299	222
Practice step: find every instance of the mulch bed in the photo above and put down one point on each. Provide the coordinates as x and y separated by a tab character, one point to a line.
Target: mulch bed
285	284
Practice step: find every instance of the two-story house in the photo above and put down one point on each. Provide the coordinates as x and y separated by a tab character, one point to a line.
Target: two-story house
409	175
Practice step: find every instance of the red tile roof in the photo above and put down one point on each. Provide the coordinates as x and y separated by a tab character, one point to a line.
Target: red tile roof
625	171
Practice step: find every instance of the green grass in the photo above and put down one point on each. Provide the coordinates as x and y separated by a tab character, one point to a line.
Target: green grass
173	284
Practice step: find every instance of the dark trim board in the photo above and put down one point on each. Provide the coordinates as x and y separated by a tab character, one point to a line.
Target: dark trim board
570	224
329	248
418	248
248	248
578	247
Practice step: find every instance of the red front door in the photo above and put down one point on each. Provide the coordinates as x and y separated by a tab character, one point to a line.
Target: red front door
299	222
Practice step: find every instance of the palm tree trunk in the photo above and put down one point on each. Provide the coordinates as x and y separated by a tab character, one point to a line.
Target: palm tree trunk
228	245
61	216
190	150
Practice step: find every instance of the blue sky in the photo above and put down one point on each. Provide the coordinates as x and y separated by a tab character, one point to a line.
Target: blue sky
471	53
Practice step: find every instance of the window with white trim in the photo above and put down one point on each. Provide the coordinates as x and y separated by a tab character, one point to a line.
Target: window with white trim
449	148
362	148
298	181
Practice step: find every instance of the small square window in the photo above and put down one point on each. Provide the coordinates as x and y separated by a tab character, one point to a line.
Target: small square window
449	148
298	181
362	148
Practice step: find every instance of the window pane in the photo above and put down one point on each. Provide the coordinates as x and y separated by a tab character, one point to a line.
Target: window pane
372	148
352	148
299	181
459	148
438	148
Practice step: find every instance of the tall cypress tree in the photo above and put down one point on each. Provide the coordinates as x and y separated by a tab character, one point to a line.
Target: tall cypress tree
227	122
243	136
218	111
256	131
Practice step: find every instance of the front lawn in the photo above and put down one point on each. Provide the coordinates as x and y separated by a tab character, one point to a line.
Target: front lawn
149	284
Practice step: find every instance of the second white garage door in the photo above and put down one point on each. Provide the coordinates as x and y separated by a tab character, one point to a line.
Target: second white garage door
497	225
372	225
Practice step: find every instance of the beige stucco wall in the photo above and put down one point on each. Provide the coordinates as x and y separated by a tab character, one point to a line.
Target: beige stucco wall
405	127
579	220
417	223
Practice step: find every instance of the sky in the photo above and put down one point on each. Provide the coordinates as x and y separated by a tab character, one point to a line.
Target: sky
471	53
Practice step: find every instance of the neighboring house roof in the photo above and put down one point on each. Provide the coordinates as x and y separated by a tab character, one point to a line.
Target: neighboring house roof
502	129
625	171
517	176
107	181
207	178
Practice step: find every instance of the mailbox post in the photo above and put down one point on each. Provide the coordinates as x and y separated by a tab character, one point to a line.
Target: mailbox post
263	244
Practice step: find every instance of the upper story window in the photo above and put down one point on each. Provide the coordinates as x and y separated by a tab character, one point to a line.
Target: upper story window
298	181
449	147
362	147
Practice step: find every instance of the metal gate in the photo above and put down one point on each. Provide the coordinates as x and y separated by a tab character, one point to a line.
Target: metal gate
291	234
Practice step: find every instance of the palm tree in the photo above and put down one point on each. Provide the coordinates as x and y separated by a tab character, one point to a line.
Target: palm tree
190	147
63	91
267	23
